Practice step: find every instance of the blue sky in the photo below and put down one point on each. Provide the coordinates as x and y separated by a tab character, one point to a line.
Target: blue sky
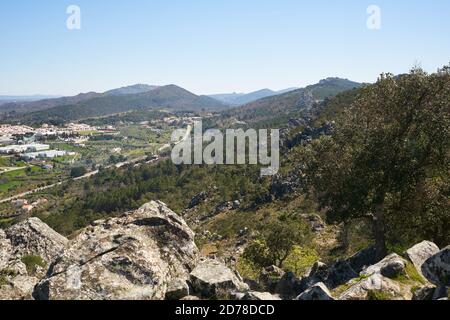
213	46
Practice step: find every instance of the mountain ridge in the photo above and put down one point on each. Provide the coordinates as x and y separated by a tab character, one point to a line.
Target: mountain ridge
237	99
279	108
169	97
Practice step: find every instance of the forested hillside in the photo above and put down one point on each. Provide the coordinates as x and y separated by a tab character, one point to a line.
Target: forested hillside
169	97
276	111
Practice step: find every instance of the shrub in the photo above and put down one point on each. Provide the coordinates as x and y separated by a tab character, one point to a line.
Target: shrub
247	269
378	295
77	172
277	242
32	262
300	260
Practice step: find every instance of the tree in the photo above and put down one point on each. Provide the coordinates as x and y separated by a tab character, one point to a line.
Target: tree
276	242
385	147
78	172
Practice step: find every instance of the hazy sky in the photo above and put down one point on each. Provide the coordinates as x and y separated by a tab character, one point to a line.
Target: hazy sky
213	46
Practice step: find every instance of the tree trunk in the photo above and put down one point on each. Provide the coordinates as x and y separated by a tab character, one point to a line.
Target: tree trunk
379	230
345	243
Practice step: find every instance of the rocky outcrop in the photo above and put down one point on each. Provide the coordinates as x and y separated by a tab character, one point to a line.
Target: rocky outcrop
226	206
260	296
197	199
419	253
288	286
211	278
315	222
306	100
340	272
281	187
150	253
441	293
33	237
437	268
376	287
390	267
177	290
319	291
425	292
25	250
135	256
18	288
332	276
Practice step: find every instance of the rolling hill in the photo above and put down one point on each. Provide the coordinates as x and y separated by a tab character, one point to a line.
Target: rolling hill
34	103
278	109
170	97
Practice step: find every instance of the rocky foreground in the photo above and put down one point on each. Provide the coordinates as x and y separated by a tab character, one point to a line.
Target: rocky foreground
150	253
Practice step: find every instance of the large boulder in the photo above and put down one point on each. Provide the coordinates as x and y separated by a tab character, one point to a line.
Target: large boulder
19	287
421	252
425	292
177	290
362	259
376	287
318	270
211	278
288	287
33	237
260	296
391	267
319	291
341	271
317	273
441	292
25	250
135	256
437	268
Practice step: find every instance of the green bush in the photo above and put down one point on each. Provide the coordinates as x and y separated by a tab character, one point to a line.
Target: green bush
279	241
378	295
247	269
300	260
78	172
32	262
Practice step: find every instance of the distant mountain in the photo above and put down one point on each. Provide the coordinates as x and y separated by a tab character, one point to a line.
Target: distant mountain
137	88
27	106
169	97
279	108
5	99
287	90
237	99
37	103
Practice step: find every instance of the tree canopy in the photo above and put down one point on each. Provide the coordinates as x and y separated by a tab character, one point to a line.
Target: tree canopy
389	148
